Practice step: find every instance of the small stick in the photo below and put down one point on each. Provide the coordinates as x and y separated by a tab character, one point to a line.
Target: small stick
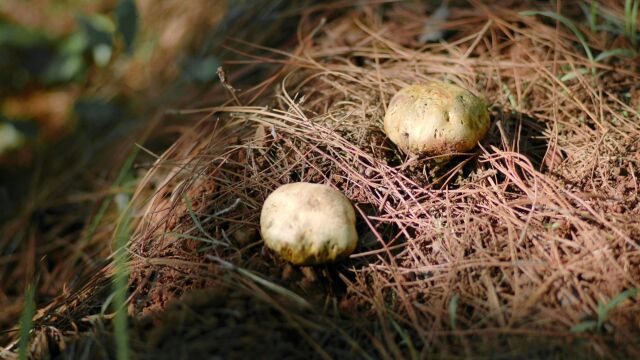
225	82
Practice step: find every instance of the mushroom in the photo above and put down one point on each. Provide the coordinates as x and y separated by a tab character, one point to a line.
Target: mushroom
436	119
308	224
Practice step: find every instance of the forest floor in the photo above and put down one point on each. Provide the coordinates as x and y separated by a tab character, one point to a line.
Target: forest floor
526	247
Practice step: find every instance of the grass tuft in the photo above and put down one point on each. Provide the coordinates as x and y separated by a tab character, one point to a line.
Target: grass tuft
571	26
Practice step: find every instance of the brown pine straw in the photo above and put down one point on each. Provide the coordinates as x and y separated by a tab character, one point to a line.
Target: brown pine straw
529	233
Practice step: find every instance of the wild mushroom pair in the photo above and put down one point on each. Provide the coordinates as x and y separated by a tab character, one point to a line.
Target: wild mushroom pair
310	224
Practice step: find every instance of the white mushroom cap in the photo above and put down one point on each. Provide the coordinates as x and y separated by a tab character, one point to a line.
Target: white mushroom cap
436	119
308	223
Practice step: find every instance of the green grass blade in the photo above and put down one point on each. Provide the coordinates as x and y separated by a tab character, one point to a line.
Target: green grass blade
615	52
262	281
584	326
627	17
102	211
453	307
26	322
566	22
510	97
604	309
633	28
121	284
406	339
593	16
198	238
573	74
193	216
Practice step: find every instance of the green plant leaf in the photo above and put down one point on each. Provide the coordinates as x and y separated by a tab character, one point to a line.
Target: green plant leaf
621	52
604	309
553	225
74	44
26	127
102	54
10	137
63	68
584	326
602	56
127	20
202	70
19	36
573	74
97	30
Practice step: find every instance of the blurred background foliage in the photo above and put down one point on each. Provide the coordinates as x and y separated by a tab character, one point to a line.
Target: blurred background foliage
86	84
76	75
78	64
46	66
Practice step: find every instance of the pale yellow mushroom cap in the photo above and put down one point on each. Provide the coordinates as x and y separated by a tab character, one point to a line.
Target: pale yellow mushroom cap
308	224
436	119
